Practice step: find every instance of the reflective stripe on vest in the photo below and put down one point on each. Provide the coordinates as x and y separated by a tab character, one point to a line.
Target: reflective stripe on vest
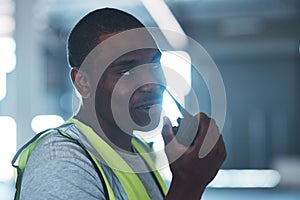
130	182
20	159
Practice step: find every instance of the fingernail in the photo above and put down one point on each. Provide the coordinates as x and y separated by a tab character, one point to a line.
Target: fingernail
164	121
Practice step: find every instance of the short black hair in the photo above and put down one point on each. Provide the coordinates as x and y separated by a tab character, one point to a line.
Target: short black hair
85	35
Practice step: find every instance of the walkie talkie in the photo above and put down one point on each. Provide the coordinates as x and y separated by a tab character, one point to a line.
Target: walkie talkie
188	125
187	130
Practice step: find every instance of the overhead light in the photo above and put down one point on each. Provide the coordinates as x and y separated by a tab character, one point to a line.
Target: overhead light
165	20
2	85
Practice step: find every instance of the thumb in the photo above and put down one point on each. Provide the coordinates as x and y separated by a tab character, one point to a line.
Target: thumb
173	149
167	131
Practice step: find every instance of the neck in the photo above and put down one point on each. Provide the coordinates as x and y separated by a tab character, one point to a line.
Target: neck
109	132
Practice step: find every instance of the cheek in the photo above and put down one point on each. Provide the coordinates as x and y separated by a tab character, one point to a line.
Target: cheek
109	94
123	91
103	94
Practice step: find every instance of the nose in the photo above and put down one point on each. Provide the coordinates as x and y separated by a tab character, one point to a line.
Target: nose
151	87
150	78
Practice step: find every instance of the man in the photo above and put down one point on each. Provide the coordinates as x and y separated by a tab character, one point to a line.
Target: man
95	156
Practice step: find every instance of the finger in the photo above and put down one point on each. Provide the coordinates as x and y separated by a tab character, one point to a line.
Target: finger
167	131
218	152
208	136
221	148
204	122
210	141
173	149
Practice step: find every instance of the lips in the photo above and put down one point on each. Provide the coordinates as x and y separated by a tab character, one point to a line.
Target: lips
148	106
147	98
148	102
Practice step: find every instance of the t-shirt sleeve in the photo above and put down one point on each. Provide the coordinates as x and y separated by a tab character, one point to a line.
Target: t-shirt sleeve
60	169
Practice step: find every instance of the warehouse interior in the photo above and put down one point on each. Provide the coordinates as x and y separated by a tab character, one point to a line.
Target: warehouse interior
255	45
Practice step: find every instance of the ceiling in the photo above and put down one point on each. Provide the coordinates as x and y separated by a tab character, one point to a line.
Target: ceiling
230	30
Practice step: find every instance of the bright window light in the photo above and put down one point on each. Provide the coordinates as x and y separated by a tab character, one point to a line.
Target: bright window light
7	44
170	109
42	122
246	178
7	61
7	24
180	62
7	54
8	132
2	85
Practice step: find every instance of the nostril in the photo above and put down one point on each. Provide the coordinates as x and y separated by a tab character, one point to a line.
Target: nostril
147	87
150	87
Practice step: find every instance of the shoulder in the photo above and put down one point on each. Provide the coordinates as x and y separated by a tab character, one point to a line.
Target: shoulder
61	168
57	146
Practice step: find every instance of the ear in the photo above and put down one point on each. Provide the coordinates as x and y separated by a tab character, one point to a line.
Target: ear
81	82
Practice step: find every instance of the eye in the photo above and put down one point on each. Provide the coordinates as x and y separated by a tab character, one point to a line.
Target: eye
128	72
125	73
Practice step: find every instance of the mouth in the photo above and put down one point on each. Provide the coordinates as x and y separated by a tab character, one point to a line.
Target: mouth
146	109
147	102
147	106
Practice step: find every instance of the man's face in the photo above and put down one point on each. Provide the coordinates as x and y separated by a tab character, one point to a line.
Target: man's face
139	98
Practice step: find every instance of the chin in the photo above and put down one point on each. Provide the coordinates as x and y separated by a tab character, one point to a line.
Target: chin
150	126
145	123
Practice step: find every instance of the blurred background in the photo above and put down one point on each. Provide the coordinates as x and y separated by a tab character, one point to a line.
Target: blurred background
254	43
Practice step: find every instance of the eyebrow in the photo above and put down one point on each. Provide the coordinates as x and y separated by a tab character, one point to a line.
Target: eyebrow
122	62
132	61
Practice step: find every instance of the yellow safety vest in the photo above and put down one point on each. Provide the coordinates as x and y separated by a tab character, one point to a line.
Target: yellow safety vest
130	182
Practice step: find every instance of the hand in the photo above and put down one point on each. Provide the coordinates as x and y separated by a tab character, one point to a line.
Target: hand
191	174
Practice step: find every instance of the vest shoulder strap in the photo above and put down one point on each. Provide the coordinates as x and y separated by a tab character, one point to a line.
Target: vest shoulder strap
21	158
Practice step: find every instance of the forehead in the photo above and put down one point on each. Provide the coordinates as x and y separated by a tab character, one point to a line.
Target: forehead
133	35
140	55
126	41
134	44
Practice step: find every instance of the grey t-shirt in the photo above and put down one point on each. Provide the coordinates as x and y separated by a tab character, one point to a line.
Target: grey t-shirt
60	169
